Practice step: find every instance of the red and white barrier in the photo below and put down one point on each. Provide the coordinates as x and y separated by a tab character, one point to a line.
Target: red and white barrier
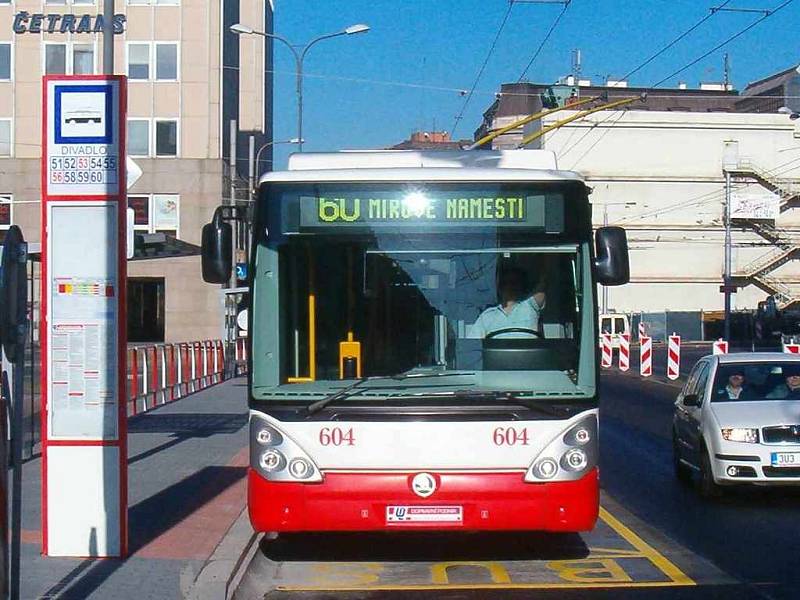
646	356
791	348
674	357
719	347
165	372
624	351
606	354
642	331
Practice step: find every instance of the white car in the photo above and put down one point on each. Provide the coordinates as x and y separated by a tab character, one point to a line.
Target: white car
737	421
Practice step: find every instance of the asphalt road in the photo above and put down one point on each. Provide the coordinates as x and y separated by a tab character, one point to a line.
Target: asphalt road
741	546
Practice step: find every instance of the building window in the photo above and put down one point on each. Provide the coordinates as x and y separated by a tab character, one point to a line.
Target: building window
55	59
5	211
166	138
5	61
68	59
5	137
146	309
139	61
167	62
139	137
153	2
155	213
82	59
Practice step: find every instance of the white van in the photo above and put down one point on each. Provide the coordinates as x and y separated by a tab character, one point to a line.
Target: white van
615	324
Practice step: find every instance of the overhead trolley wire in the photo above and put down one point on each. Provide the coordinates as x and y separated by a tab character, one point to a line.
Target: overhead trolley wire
766	15
483	67
544	41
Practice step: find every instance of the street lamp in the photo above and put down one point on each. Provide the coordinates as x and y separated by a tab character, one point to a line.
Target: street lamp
258	158
299	53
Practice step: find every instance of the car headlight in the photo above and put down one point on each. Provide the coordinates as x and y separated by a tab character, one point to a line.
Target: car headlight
277	457
267	436
272	460
748	435
574	460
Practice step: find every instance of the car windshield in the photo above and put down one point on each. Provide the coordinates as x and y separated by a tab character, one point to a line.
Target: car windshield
757	382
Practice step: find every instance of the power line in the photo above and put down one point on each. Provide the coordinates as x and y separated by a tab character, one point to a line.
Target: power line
675	41
544	41
724	43
483	66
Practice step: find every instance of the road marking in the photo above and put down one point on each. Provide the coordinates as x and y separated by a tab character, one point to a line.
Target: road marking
600	569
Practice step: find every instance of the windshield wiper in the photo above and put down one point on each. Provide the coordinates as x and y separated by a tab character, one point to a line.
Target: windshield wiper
530	404
355	388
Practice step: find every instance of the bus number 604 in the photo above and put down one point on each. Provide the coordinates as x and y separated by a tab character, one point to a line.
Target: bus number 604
336	436
508	436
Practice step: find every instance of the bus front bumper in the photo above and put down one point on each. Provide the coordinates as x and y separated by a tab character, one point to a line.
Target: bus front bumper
385	501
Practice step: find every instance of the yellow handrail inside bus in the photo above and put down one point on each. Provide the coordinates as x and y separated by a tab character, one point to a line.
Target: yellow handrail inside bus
312	343
585	113
523	121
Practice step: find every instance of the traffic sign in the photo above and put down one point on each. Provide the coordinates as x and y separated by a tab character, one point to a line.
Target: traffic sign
84	137
241	271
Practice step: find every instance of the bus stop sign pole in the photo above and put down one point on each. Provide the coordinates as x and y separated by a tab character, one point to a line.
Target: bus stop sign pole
13	333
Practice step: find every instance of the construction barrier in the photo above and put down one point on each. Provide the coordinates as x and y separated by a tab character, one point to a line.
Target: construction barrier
642	331
719	347
161	373
606	354
624	351
674	357
791	348
646	357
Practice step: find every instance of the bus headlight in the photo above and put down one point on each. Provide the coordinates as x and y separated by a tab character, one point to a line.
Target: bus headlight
276	457
574	460
300	468
545	468
570	455
267	436
272	460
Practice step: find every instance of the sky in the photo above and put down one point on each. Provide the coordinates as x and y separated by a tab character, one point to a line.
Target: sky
408	73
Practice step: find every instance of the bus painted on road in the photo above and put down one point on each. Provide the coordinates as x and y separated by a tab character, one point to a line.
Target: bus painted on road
422	336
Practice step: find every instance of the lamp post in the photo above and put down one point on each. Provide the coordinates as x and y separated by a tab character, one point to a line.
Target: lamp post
299	53
258	159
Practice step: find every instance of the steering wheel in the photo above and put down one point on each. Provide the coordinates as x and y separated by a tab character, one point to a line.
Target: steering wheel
494	334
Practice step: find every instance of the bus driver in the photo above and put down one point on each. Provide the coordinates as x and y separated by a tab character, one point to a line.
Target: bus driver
517	309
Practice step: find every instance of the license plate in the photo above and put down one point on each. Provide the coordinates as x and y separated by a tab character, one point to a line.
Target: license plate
424	514
785	459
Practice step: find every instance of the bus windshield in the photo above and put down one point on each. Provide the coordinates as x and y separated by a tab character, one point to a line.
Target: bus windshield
500	303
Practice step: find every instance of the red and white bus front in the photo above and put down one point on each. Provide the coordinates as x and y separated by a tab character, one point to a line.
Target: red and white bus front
423	345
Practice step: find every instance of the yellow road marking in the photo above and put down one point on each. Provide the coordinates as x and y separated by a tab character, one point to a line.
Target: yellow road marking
500	579
658	559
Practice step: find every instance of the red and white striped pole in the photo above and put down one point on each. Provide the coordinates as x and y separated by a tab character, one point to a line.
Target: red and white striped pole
646	356
605	350
719	347
642	332
624	351
674	357
791	348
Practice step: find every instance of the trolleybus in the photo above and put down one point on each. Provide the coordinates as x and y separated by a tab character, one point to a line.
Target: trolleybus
422	335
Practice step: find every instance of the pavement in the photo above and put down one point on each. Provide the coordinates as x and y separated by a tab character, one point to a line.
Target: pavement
187	464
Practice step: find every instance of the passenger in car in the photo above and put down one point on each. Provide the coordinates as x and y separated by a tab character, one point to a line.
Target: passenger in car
735	389
790	390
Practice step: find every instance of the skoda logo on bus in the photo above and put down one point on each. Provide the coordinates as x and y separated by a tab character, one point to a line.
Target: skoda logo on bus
423	484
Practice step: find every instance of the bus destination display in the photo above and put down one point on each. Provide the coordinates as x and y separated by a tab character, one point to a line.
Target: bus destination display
391	211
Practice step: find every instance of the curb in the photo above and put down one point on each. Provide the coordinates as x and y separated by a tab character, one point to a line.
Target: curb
224	569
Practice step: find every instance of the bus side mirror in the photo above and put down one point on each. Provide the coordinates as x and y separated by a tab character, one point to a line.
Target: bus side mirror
611	262
216	250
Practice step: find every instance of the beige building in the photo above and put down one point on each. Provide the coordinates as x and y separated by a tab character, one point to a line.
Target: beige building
188	78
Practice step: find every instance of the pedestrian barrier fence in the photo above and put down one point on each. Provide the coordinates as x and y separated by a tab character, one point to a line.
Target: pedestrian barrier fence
719	347
791	348
646	356
624	351
605	350
674	357
240	356
161	373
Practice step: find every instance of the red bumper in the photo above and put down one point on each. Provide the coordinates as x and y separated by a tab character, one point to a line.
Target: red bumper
358	502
